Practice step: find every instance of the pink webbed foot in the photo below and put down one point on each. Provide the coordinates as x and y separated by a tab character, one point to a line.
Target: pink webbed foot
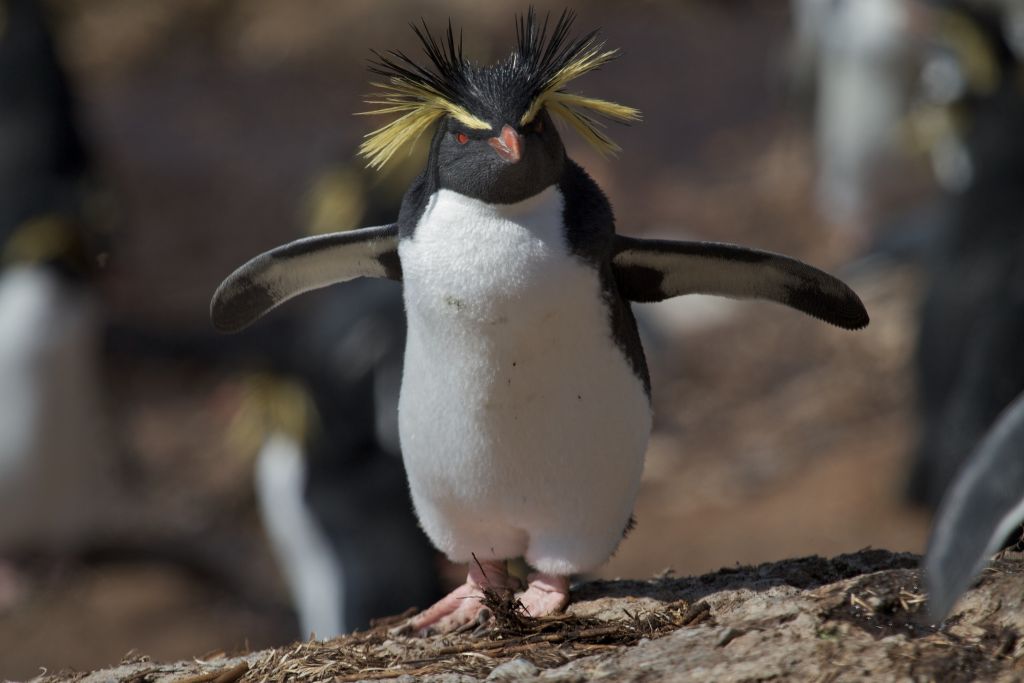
463	607
546	594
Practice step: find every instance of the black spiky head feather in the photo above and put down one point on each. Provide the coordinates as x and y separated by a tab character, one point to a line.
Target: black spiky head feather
514	90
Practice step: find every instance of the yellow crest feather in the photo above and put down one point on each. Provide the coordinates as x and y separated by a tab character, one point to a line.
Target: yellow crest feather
422	107
576	109
537	72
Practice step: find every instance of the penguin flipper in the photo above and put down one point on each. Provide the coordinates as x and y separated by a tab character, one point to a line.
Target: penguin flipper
653	270
984	504
273	277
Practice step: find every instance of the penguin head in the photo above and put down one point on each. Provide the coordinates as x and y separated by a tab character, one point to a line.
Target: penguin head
505	163
495	138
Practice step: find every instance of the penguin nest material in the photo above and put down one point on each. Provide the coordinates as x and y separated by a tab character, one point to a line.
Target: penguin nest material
546	642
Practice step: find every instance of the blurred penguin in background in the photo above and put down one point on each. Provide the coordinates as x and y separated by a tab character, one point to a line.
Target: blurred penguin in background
320	407
969	361
853	55
947	72
329	474
55	469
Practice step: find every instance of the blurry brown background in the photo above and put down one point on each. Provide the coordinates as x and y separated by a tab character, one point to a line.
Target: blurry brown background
776	435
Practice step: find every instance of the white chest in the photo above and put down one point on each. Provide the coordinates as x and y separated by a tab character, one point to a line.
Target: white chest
472	263
511	376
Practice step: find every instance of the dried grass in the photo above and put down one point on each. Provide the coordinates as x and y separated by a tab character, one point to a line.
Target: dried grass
547	642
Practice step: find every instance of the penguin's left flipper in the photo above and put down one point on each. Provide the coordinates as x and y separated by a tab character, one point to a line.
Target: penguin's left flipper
653	270
985	504
273	277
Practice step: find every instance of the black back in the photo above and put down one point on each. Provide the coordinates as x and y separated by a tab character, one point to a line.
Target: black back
590	231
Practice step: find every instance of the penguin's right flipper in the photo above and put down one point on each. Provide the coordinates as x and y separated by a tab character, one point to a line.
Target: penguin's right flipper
654	270
985	503
273	277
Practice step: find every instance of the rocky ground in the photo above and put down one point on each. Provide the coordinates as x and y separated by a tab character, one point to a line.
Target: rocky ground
858	616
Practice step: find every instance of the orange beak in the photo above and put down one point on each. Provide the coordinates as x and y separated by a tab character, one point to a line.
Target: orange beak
508	145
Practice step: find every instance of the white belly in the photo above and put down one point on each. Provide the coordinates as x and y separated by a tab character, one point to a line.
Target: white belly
523	426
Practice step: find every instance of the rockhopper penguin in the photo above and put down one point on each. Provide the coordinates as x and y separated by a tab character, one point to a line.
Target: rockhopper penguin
525	402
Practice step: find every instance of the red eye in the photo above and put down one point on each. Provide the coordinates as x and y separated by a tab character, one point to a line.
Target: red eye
538	126
462	138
